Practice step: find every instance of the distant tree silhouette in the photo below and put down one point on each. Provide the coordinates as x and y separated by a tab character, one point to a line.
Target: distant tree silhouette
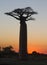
7	49
8	52
34	52
22	14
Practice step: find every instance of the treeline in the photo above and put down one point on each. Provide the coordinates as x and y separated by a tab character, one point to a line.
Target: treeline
7	52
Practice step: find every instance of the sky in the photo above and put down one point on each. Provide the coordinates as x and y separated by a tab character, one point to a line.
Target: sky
36	30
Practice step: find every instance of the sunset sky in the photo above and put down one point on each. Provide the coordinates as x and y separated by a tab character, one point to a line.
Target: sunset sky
37	30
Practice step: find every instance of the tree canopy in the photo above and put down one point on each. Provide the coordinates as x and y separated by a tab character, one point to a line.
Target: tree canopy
24	12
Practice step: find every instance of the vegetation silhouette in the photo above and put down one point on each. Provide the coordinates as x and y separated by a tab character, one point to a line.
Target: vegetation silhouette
23	14
8	56
7	52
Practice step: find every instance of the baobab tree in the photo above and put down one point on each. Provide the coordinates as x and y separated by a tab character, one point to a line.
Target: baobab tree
22	14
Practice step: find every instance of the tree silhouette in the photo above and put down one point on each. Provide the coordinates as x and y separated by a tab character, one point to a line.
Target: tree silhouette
22	14
7	51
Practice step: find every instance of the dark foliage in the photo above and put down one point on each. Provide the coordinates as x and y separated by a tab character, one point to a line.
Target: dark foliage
7	52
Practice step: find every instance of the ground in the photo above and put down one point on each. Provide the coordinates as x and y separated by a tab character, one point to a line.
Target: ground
13	61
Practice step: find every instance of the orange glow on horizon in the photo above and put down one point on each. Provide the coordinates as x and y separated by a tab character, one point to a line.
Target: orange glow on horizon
35	45
31	48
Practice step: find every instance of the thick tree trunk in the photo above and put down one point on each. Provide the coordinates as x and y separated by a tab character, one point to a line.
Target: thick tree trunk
23	41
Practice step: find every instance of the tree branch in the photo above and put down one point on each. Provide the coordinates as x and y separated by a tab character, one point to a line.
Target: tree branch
30	19
13	16
30	13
